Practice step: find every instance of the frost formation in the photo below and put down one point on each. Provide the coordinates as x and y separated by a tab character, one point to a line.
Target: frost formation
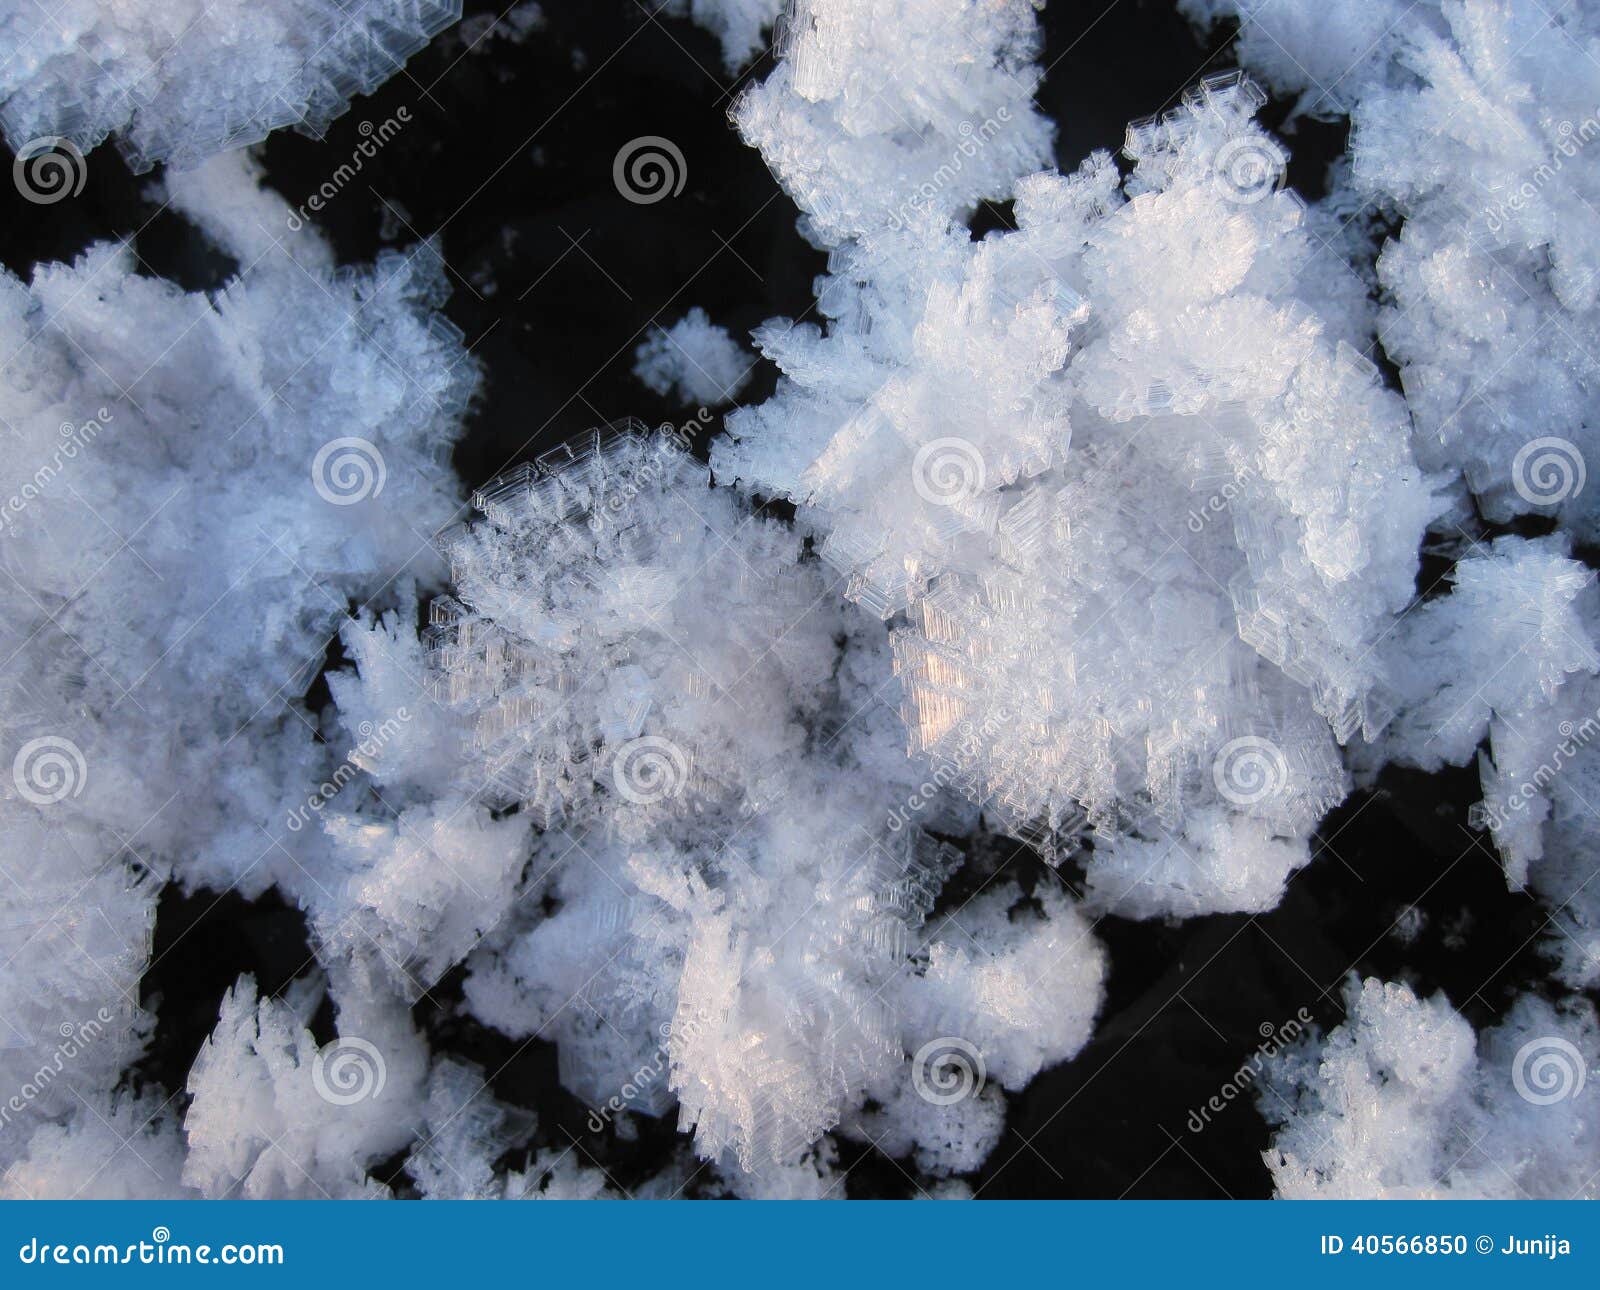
179	80
1101	532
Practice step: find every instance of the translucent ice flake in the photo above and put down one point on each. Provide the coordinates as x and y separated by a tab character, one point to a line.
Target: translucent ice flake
274	1115
741	26
612	618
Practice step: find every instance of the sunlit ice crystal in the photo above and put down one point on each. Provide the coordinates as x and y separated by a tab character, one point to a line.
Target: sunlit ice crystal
723	910
612	606
1137	519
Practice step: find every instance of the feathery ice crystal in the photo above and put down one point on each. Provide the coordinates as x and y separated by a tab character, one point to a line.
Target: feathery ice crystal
1102	531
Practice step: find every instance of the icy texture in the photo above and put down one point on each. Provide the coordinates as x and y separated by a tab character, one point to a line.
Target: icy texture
898	112
464	1130
1147	514
1510	658
739	25
1475	125
179	80
128	1148
178	553
721	908
319	407
1106	532
1402	1100
273	1114
694	361
1330	54
226	197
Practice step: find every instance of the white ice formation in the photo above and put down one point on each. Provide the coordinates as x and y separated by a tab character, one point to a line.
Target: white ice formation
694	361
196	490
1403	1100
179	80
1102	531
740	26
1144	507
1472	127
682	702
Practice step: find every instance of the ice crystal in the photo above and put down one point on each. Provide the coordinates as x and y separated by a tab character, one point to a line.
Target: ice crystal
179	80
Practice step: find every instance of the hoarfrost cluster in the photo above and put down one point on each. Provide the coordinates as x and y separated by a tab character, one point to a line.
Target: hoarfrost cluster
180	80
1102	532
